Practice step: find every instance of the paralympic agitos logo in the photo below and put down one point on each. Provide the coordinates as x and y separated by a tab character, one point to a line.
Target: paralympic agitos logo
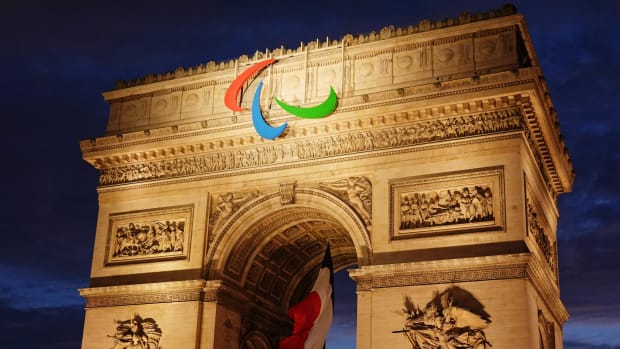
262	127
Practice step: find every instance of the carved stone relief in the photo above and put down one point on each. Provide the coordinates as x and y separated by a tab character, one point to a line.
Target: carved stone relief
453	55
287	193
406	135
449	206
166	107
537	231
135	113
137	333
453	318
447	203
496	49
357	192
226	204
149	235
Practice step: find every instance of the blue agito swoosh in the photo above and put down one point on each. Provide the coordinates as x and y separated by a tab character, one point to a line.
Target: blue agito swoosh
262	128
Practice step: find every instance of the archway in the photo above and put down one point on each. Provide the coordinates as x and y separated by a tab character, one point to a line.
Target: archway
267	254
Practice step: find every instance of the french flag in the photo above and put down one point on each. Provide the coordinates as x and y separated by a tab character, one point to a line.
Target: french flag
314	314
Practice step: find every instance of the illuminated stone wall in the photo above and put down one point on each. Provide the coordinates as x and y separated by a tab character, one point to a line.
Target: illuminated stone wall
439	171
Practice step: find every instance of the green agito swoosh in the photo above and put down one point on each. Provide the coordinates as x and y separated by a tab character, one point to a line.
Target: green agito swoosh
316	112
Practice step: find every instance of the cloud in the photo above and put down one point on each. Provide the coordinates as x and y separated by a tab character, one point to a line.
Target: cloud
23	288
581	345
585	335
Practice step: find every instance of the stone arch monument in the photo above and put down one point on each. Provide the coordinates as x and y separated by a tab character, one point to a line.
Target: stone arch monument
436	176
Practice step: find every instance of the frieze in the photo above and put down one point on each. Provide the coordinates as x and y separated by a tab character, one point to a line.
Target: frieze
543	279
166	297
378	139
515	266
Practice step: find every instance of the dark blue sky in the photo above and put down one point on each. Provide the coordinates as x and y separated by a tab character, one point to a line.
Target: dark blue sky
58	56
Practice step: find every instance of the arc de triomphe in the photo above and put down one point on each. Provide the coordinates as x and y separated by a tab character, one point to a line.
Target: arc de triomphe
435	179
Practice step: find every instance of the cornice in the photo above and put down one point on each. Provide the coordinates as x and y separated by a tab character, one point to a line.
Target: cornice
440	271
161	292
488	268
409	94
556	153
103	153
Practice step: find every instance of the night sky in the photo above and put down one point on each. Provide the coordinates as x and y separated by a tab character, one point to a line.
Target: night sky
59	56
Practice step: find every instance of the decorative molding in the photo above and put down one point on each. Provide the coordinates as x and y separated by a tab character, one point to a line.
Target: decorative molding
526	76
274	251
499	267
328	146
268	225
440	271
544	282
162	292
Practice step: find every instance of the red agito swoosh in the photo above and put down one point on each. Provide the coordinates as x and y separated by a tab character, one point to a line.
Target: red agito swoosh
230	98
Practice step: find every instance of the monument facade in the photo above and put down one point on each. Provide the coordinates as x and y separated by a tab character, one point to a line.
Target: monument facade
435	181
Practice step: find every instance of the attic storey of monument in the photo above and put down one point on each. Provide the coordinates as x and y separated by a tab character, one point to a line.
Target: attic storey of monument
436	174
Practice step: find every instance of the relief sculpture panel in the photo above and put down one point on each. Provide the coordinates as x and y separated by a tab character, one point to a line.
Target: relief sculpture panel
453	318
536	229
138	333
143	236
447	204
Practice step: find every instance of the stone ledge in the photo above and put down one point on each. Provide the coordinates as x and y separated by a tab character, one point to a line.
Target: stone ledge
161	292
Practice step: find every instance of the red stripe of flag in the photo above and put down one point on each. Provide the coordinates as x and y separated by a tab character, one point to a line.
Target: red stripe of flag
313	315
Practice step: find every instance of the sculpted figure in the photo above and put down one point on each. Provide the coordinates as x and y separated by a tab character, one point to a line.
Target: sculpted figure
228	203
446	322
137	333
357	191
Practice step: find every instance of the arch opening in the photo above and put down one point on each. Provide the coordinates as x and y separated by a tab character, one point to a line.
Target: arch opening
272	252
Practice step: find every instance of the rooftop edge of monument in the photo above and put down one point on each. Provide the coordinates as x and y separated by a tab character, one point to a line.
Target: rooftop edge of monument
347	40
